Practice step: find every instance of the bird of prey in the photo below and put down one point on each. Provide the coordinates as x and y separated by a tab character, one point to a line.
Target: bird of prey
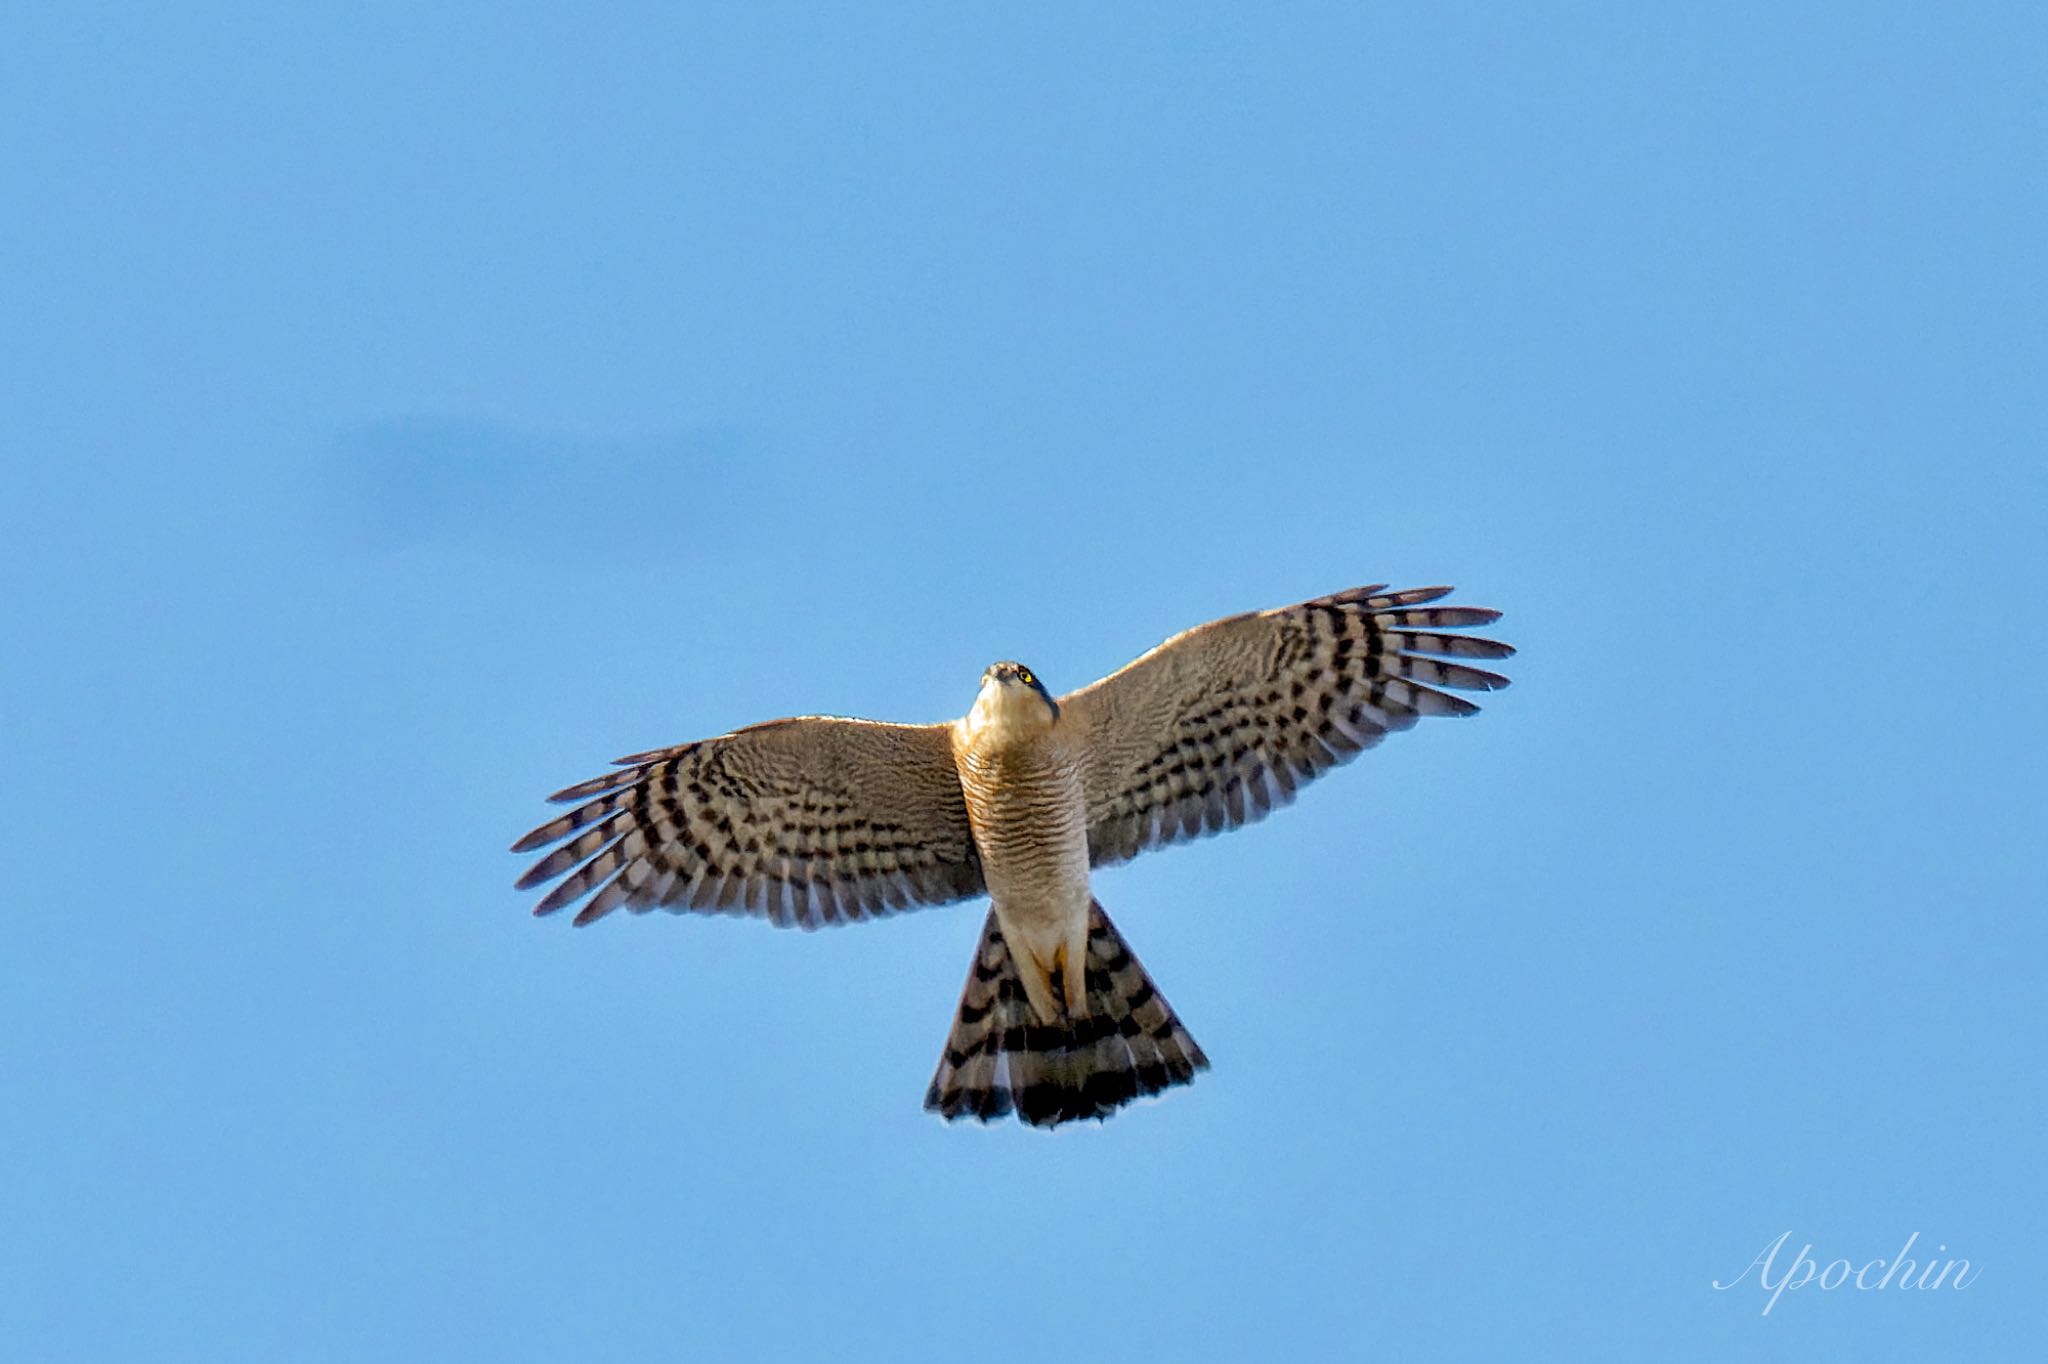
820	819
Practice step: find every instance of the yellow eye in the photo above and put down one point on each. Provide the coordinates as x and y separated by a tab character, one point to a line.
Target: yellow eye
1024	675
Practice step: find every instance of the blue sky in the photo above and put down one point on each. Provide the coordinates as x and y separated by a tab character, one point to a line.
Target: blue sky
407	408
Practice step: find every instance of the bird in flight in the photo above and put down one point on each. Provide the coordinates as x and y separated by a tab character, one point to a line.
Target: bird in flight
821	819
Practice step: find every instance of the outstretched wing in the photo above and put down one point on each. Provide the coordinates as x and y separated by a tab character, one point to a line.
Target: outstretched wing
1218	725
807	821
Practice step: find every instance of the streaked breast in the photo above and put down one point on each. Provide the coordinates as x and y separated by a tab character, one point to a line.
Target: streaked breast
1029	819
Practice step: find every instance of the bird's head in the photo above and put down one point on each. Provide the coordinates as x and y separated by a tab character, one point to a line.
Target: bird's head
1012	698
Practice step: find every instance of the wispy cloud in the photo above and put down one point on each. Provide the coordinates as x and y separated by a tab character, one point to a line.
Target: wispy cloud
441	481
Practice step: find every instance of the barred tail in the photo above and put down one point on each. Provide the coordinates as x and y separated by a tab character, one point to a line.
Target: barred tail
1000	1058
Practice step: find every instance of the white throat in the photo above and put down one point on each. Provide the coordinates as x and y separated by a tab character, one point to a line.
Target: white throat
1005	712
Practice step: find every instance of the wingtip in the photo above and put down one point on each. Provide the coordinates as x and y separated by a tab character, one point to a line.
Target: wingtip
560	896
652	755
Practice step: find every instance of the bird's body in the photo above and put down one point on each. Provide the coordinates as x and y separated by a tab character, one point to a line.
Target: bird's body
1022	785
821	819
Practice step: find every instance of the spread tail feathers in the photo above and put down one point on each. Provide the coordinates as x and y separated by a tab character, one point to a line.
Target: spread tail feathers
1000	1058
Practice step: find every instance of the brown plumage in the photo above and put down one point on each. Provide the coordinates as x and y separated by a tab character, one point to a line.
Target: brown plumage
1127	1042
807	821
819	819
